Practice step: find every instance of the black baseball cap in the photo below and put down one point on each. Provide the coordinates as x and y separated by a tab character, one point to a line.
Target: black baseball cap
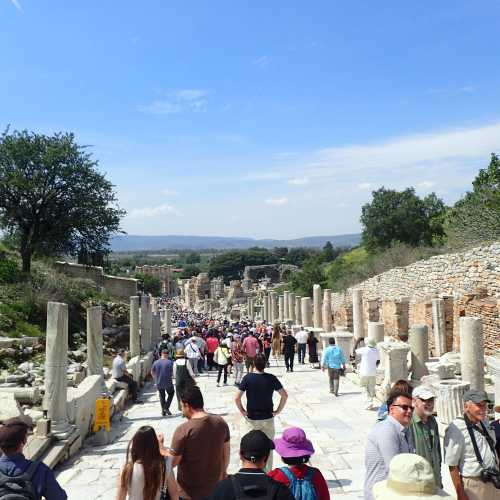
255	444
475	396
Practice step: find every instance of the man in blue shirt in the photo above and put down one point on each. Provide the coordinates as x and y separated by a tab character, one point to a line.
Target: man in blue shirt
333	359
162	371
13	438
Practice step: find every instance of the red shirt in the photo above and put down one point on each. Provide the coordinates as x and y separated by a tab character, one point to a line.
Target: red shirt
212	344
251	346
299	471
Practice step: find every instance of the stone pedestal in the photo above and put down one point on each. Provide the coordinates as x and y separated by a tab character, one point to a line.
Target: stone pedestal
325	339
298	309
449	403
472	351
439	326
376	331
286	304
326	313
306	312
317	306
134	338
281	308
419	345
357	314
493	364
56	361
94	341
395	356
345	340
291	307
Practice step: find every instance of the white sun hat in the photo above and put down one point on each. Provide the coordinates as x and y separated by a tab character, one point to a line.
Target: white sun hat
410	478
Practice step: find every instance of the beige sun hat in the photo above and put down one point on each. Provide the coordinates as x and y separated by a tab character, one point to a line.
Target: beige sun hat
410	478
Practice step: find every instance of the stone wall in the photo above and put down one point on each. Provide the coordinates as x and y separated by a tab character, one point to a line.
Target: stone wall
469	283
114	285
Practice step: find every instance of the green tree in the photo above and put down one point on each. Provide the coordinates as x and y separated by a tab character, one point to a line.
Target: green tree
193	258
476	217
401	216
52	199
329	254
311	273
149	284
190	271
280	252
297	256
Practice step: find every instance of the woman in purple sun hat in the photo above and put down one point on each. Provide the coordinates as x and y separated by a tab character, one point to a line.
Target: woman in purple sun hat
304	481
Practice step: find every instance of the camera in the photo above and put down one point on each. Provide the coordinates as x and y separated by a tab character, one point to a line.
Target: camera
491	475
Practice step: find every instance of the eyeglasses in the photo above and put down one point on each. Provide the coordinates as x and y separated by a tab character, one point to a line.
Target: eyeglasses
405	407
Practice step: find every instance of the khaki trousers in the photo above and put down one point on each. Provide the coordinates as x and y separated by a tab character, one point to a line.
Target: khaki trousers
267	427
477	490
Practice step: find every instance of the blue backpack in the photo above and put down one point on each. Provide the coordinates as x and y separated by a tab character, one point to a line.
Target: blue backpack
301	489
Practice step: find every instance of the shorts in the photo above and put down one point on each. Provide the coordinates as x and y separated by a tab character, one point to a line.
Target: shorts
249	362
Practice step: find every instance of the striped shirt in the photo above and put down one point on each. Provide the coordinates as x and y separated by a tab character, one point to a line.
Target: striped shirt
386	440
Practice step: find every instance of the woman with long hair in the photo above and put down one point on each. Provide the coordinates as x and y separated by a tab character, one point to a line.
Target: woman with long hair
276	342
146	472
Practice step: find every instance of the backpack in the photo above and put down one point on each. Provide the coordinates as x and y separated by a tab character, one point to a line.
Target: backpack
254	491
301	489
19	487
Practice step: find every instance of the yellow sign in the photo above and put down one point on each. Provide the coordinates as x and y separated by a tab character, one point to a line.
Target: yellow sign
102	415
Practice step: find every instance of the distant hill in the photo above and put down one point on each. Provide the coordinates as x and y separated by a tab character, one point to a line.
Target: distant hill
135	243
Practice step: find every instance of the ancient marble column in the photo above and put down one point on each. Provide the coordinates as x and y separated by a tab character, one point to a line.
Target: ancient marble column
146	319
94	341
493	363
265	304
395	362
449	401
56	361
155	329
317	306
376	331
281	308
439	326
357	314
291	307
168	320
327	310
419	346
298	310
306	311
286	306
135	338
250	308
274	307
472	351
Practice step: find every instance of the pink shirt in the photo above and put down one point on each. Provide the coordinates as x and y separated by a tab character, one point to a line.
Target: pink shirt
251	346
212	344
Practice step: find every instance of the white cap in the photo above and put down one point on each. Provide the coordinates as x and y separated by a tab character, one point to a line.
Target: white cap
423	392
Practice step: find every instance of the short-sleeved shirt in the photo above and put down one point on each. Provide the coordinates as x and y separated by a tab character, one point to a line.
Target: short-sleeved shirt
162	370
458	449
333	357
251	346
369	358
289	343
119	367
259	389
200	442
302	336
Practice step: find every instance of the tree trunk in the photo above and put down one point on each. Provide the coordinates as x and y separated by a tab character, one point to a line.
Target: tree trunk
26	258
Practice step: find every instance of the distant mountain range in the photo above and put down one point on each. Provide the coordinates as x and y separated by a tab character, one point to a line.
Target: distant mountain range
135	243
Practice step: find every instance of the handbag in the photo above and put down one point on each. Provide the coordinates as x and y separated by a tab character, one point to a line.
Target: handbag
164	494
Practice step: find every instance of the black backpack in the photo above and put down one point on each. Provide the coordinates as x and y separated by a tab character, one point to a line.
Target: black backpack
254	491
19	487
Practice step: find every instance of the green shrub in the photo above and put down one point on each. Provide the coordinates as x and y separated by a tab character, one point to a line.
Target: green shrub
9	271
25	329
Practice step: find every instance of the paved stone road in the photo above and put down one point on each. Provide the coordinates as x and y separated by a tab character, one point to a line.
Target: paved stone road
337	427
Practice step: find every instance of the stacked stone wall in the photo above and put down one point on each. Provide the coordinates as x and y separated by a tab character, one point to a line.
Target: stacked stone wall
469	283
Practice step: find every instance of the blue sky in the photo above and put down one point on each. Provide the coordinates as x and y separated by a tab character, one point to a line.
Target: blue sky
258	118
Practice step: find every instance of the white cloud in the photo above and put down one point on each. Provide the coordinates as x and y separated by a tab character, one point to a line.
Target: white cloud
262	61
298	181
178	101
146	212
426	184
17	5
277	202
169	192
364	186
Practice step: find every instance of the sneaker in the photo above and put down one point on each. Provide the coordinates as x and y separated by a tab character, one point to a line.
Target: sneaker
218	385
168	412
163	413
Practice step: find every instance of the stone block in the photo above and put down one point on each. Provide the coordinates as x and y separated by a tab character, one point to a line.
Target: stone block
9	406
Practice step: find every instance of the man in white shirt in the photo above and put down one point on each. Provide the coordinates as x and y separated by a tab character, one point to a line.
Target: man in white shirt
370	359
119	372
193	354
301	338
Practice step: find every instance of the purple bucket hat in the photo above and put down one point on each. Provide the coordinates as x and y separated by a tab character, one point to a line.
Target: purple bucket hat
293	443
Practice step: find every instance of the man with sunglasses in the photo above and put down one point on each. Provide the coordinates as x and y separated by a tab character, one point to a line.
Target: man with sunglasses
388	438
469	451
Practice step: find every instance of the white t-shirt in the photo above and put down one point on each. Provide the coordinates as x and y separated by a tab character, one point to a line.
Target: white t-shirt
119	367
136	489
301	337
369	358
